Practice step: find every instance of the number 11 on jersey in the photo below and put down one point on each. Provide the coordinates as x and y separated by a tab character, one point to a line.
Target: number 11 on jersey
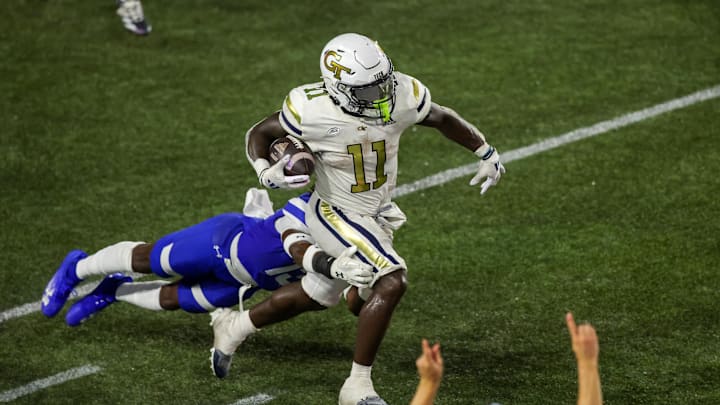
357	153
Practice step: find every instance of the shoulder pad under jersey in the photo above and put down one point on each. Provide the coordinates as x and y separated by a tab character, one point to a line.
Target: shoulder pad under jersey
297	206
293	108
413	95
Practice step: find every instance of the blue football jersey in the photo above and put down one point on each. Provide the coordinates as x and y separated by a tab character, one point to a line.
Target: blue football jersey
222	253
260	246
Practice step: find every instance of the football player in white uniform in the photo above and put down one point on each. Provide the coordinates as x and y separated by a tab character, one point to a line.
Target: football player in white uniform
352	121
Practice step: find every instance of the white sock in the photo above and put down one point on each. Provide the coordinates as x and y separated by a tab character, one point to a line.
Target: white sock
245	326
144	295
114	258
360	371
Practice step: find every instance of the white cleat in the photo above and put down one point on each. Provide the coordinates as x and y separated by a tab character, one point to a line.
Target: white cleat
359	391
132	16
224	322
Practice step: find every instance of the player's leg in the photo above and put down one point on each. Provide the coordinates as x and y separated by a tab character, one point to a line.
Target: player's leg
157	295
154	295
120	257
206	295
314	292
355	298
373	321
374	317
190	252
77	265
231	328
199	252
193	253
283	304
335	229
118	287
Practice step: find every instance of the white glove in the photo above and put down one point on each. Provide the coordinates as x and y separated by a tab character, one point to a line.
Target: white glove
489	167
352	270
274	176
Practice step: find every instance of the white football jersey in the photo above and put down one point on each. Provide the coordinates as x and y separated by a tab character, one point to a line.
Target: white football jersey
356	160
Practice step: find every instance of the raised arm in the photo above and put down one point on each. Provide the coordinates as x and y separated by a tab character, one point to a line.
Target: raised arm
430	368
586	348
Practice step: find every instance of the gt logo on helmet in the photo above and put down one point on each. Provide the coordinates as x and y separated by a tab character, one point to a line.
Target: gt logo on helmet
333	66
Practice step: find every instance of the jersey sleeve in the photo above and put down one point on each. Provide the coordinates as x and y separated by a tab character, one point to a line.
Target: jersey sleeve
291	114
294	215
422	99
413	99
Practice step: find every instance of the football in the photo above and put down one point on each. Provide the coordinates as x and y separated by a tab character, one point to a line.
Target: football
301	158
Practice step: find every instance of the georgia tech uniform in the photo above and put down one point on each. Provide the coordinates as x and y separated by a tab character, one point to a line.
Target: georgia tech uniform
356	161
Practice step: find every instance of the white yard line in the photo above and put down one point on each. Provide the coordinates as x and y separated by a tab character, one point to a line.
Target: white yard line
258	399
560	140
56	379
509	156
22	310
29	308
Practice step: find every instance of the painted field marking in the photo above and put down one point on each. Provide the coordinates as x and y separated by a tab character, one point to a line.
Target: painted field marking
258	399
56	379
29	308
32	307
564	139
507	157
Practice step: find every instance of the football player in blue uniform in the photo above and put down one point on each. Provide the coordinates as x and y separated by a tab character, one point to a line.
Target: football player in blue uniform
218	261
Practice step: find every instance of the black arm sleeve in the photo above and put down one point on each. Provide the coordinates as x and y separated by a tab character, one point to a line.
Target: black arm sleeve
322	262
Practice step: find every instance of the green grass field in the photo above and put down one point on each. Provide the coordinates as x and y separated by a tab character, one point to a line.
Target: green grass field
107	137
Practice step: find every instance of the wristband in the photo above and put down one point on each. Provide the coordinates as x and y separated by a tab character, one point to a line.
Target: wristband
484	151
294	238
307	262
316	260
260	166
